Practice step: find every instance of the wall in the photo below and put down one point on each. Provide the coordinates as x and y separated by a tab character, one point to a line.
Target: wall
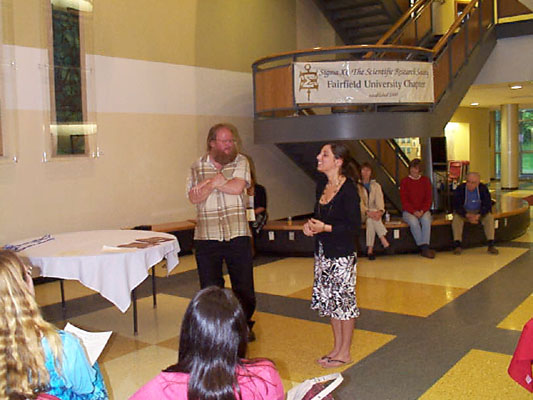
480	144
510	61
443	16
163	75
457	140
313	29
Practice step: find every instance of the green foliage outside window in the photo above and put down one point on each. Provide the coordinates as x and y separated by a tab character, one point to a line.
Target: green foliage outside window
525	117
526	142
67	76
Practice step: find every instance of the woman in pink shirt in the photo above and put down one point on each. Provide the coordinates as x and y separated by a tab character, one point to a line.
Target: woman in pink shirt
211	363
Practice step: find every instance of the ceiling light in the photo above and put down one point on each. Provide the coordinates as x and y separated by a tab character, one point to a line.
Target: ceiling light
474	104
515	87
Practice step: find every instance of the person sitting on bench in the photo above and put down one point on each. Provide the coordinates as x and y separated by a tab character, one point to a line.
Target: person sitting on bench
472	203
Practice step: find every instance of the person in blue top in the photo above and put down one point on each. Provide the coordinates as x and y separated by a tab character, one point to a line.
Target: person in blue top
34	356
472	203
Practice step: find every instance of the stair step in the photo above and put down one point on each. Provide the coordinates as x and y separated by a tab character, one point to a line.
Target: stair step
376	30
370	39
363	12
364	22
335	5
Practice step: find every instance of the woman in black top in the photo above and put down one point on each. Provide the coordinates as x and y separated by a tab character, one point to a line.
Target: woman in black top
336	221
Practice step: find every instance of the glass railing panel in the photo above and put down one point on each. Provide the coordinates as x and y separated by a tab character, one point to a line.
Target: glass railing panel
408	36
458	48
473	29
273	89
512	8
423	23
441	73
487	13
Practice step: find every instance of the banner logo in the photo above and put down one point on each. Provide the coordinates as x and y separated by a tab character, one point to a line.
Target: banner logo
308	80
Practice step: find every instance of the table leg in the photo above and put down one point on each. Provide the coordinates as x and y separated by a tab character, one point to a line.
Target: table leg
63	305
62	287
134	300
154	291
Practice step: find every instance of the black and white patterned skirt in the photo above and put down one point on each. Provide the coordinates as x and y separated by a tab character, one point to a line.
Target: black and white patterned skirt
334	286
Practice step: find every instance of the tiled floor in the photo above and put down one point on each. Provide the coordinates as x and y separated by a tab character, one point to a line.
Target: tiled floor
431	329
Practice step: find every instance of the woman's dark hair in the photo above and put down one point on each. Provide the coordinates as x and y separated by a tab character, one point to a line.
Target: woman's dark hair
366	164
415	163
213	341
349	167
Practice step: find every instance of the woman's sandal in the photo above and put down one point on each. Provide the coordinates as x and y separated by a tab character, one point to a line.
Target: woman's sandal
337	363
323	359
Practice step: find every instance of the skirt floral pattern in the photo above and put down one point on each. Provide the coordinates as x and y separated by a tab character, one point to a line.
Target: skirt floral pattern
334	286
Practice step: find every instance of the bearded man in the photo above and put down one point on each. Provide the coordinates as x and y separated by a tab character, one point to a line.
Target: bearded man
216	185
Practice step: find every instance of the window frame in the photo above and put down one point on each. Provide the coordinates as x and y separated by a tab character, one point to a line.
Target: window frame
88	126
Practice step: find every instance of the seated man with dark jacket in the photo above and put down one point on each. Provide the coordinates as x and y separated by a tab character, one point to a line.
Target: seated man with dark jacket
472	203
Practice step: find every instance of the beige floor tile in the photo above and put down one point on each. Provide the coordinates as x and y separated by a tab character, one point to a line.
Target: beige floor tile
172	343
286	341
447	269
520	315
50	293
478	375
397	296
520	193
118	346
125	375
186	263
285	276
526	237
155	324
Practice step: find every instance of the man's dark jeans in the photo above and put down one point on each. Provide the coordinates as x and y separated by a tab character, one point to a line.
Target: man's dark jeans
238	256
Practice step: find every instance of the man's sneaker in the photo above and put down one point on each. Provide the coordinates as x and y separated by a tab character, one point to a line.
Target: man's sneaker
457	251
492	250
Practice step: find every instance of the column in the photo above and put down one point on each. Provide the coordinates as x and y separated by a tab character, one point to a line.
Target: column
510	151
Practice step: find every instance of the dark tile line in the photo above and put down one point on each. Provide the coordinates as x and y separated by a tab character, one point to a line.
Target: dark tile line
522	245
424	349
415	360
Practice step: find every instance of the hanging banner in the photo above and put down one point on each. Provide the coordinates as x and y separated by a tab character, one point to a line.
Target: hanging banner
363	82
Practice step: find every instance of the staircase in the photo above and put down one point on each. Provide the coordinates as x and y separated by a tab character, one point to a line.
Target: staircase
361	21
368	130
387	160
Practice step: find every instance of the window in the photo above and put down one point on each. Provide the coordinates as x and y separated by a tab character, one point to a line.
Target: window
526	143
497	143
72	130
8	114
525	120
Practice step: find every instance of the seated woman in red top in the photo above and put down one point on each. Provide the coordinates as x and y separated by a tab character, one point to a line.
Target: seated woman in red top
415	192
211	363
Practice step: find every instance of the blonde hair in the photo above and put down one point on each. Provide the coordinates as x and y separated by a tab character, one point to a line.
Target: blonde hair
22	360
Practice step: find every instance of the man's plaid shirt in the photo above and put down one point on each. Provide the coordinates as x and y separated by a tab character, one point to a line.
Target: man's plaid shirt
221	216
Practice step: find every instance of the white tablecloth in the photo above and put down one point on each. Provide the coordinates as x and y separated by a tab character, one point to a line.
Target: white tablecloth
114	274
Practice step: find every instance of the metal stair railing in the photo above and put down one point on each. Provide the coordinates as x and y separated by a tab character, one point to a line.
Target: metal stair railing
273	75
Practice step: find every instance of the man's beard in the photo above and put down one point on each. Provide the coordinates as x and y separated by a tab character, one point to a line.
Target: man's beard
223	158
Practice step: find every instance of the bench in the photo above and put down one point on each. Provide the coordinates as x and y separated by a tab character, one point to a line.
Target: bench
511	216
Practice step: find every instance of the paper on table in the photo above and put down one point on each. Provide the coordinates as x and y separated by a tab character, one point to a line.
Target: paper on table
107	248
94	342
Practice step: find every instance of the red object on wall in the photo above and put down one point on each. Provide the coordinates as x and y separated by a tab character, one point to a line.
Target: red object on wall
457	170
520	367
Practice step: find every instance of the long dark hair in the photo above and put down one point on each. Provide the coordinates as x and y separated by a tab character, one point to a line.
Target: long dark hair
213	341
349	167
